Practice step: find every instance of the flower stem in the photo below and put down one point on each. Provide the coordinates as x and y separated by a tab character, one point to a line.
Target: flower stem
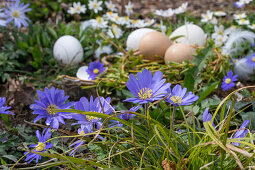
172	121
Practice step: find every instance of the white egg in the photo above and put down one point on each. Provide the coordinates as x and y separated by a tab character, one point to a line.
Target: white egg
191	35
68	50
243	70
134	38
82	73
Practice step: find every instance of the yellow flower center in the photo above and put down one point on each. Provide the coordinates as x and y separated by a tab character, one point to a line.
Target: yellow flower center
117	18
16	14
89	118
99	19
145	93
176	99
40	147
95	5
126	18
95	71
253	59
51	109
78	8
110	13
228	80
82	132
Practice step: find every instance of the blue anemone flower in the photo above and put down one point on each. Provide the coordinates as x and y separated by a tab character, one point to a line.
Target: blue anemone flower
95	68
146	88
207	116
4	109
16	12
179	97
242	132
2	15
50	100
42	145
85	129
125	116
251	60
228	81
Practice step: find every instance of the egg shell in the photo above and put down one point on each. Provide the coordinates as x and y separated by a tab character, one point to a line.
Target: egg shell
243	70
191	34
153	45
179	53
135	37
68	50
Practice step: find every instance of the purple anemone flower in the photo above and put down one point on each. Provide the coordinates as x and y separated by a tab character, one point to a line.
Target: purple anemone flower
179	97
2	15
95	68
4	109
239	4
85	129
42	145
146	88
50	100
228	81
251	60
16	12
125	116
207	116
242	132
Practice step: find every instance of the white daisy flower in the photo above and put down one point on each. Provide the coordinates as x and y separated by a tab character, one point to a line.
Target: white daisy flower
243	22
86	24
247	1
252	26
99	22
220	13
110	15
79	8
168	13
159	12
218	31
239	16
82	73
115	19
129	8
71	10
149	22
124	20
111	6
213	21
219	40
161	26
115	31
207	17
103	50
95	6
181	9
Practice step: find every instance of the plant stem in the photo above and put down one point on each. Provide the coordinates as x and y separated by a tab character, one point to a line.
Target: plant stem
187	128
172	121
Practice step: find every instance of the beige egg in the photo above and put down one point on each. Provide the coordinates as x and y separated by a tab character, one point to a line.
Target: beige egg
153	45
179	53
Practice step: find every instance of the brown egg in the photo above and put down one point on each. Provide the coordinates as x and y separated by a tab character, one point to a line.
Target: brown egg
179	53
154	45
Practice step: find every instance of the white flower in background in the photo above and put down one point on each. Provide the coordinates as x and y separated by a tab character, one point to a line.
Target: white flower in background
207	17
82	73
103	50
115	31
141	24
79	8
71	10
213	21
239	16
110	15
252	26
86	24
220	13
110	6
168	13
115	19
218	31
99	22
181	9
149	22
243	22
124	21
161	26
159	12
129	8
95	6
219	40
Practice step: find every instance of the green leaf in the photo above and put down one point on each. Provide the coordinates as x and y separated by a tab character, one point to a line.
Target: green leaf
189	81
208	91
249	116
